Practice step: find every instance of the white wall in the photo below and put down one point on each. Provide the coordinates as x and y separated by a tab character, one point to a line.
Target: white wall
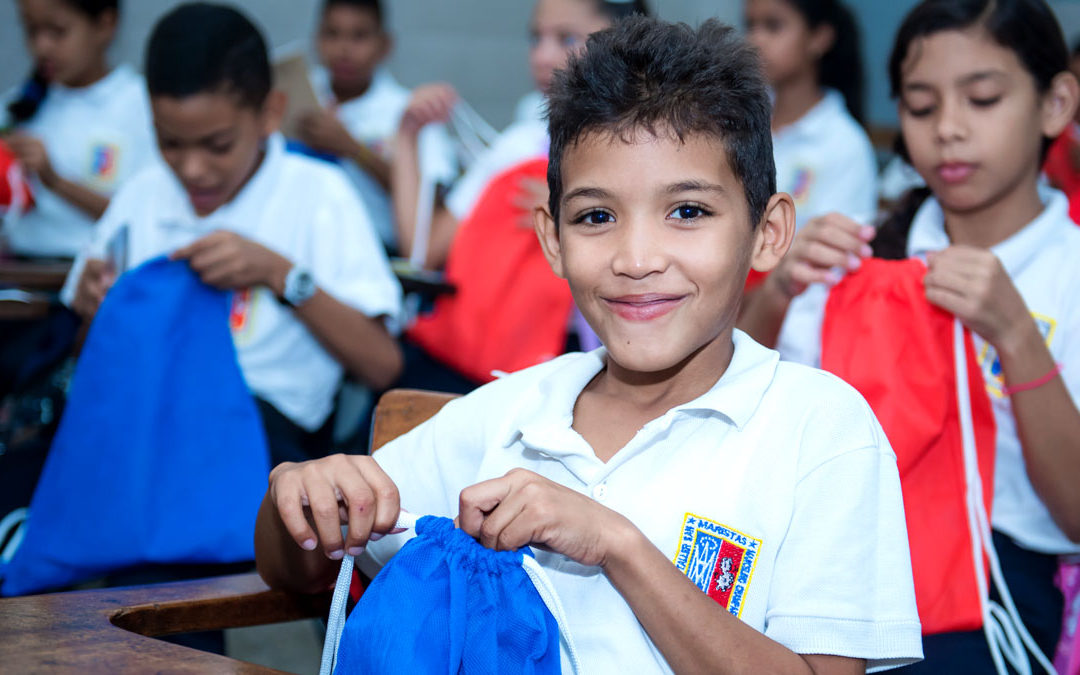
478	45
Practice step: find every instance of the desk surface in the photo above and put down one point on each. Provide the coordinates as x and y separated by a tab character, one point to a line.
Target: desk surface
109	630
46	276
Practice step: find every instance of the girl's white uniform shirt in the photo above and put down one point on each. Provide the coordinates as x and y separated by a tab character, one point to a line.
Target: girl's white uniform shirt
97	136
775	492
373	119
826	163
306	210
1040	260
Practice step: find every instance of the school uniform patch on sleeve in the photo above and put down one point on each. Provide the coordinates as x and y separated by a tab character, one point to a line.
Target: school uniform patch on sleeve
719	560
990	361
241	312
103	158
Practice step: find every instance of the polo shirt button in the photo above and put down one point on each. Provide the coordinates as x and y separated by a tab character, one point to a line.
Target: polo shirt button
599	492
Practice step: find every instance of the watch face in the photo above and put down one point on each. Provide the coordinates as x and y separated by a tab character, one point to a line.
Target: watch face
299	288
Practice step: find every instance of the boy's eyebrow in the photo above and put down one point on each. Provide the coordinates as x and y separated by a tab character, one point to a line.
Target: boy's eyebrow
981	75
694	186
589	192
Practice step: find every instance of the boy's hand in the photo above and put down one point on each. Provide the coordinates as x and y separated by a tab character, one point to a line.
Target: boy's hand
524	508
32	156
96	280
824	243
322	130
429	103
226	260
532	192
330	492
971	284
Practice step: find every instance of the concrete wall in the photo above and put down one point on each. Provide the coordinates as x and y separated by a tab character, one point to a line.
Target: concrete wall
478	45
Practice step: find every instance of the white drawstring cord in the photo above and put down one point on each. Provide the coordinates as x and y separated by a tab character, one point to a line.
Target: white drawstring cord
14	523
547	593
1005	632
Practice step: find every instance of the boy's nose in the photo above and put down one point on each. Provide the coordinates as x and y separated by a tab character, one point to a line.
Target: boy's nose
191	167
951	121
639	251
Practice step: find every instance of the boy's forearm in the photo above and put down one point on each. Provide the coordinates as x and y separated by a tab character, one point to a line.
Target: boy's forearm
283	564
692	631
86	200
360	343
373	164
1048	425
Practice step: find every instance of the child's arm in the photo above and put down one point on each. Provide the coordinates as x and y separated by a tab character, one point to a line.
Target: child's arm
694	633
822	244
96	279
298	529
322	130
431	103
33	156
972	284
359	342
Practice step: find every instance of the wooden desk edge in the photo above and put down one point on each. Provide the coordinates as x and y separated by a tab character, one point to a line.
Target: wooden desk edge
110	630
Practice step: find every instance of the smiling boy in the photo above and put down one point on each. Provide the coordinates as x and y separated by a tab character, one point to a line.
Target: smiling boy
680	478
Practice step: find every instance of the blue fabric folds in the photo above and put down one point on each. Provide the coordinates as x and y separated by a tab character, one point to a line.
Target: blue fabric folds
160	456
446	604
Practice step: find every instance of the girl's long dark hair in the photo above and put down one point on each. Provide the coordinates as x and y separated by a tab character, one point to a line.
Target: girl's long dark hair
36	87
841	67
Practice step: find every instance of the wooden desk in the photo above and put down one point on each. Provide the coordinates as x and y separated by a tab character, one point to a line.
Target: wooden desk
111	630
45	276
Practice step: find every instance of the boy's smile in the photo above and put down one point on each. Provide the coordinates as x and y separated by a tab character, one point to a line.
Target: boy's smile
655	242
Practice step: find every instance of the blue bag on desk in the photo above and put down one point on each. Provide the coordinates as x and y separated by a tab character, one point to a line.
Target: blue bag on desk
160	456
446	604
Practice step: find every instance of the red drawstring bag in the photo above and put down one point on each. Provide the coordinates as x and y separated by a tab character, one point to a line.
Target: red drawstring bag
883	337
15	192
510	311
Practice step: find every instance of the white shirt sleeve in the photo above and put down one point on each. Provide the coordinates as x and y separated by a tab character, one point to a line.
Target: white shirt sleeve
842	579
348	260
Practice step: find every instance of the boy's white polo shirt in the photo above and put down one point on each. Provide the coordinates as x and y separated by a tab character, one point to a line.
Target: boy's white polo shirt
825	161
300	207
779	468
1040	260
97	136
373	119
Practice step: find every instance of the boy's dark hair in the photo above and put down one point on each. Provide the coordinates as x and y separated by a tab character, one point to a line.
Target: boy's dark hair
36	87
663	77
841	66
202	48
616	10
1027	27
373	6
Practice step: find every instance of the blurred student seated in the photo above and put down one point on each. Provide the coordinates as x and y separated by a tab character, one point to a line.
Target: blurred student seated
363	106
286	233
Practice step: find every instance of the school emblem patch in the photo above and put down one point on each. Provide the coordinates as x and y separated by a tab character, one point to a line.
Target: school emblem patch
990	362
240	313
719	560
103	162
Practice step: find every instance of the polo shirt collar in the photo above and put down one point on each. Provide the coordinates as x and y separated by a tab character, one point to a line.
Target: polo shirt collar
99	93
545	412
1015	253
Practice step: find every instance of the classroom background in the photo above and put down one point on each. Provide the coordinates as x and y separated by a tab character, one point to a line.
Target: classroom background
480	45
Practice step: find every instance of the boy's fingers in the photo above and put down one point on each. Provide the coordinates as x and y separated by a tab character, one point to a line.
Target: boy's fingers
291	511
476	501
387	498
819	254
323	505
493	530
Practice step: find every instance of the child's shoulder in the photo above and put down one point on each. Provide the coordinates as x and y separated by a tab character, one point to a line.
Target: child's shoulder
313	178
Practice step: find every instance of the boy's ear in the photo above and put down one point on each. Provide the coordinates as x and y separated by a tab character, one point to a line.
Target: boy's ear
773	236
387	45
547	231
822	40
273	111
105	27
1059	104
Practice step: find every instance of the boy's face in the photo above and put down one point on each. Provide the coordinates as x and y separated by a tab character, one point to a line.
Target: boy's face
351	44
655	242
212	143
64	42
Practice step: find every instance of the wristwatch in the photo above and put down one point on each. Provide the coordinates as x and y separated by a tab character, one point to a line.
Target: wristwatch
299	287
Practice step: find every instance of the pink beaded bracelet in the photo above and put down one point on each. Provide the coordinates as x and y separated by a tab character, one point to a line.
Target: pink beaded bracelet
1035	384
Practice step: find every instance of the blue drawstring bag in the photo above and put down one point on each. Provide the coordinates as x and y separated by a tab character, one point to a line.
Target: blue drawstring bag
446	604
160	456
